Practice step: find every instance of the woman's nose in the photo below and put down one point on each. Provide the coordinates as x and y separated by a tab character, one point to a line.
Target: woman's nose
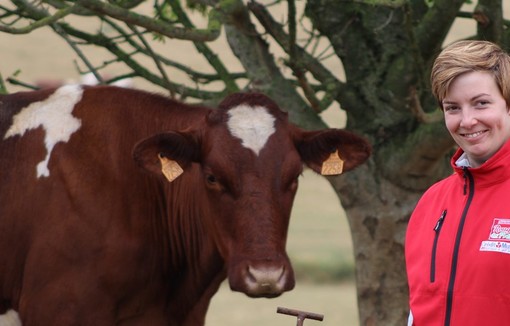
468	118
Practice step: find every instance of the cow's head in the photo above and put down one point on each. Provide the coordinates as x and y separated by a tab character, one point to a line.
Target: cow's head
251	158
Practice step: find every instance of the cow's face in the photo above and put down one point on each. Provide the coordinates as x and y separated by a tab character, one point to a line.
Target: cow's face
250	159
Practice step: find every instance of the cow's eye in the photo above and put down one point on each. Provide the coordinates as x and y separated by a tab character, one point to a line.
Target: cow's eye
211	179
213	183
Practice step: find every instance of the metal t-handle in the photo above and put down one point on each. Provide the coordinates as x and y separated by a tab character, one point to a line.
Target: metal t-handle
301	315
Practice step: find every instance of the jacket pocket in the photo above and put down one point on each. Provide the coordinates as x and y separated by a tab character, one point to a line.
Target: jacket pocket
437	230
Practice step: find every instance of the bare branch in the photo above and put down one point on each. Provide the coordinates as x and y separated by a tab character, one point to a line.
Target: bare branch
208	54
384	3
139	69
489	17
294	61
39	23
17	82
417	109
3	89
253	52
332	86
204	35
58	29
199	77
435	25
156	60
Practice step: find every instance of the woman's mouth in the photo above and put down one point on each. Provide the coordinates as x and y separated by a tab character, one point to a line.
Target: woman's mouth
473	134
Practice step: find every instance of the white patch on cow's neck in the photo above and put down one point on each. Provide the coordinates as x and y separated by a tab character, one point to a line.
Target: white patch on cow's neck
54	115
253	125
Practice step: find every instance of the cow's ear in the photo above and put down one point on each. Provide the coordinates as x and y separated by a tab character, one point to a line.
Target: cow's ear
167	153
331	151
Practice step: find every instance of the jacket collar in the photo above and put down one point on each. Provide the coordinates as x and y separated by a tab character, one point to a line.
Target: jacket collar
496	169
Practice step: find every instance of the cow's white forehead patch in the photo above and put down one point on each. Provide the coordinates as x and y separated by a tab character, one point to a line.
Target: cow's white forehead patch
253	125
54	115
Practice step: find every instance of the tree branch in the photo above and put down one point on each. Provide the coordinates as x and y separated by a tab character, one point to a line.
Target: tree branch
435	26
418	112
295	62
384	3
419	159
210	56
3	89
140	70
260	66
489	17
331	85
195	76
204	35
39	23
156	60
17	82
60	31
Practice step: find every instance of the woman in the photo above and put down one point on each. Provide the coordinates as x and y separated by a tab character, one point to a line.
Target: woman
458	238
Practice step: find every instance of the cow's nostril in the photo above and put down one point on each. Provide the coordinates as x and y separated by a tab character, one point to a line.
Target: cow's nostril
265	276
266	281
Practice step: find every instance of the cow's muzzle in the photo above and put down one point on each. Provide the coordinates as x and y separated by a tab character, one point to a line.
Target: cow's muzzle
263	280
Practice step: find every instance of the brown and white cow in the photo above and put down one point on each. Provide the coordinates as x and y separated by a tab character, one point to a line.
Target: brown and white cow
94	231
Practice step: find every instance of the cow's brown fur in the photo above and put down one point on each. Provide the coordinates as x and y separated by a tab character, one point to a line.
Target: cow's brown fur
102	242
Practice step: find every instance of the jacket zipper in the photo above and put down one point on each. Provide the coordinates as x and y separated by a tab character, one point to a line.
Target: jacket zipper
458	237
437	230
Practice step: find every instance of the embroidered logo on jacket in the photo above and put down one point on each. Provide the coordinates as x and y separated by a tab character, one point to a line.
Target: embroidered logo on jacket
499	237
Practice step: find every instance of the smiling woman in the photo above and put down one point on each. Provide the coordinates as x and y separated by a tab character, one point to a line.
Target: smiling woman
477	116
470	81
454	251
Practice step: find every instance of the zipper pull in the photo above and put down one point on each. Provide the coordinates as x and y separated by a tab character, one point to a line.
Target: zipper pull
439	222
464	174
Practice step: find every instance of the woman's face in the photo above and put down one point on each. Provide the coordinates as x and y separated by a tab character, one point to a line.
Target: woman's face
476	115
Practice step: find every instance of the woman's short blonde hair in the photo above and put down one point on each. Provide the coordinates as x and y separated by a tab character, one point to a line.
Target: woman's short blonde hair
467	56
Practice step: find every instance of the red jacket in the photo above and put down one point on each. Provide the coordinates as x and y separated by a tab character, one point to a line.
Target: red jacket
458	247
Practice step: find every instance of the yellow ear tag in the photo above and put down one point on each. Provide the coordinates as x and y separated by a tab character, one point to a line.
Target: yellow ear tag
334	165
170	169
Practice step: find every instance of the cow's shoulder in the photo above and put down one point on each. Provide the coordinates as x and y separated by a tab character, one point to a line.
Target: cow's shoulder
12	104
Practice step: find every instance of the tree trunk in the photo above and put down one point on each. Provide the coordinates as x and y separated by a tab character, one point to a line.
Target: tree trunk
378	212
382	69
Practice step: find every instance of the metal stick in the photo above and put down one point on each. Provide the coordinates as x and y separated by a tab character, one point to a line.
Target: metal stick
301	315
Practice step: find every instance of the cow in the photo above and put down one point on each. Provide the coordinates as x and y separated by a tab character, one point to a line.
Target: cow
123	207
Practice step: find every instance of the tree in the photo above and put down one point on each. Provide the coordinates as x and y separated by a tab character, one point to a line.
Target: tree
386	48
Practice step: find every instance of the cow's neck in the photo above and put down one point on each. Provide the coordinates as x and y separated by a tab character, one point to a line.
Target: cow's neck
194	267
